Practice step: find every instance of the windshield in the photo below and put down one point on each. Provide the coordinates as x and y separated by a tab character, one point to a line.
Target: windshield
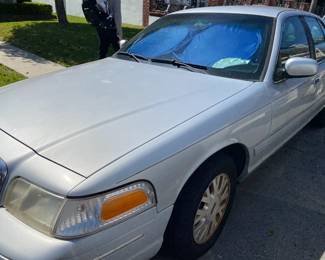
230	45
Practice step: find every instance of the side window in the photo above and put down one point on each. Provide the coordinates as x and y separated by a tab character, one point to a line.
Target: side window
294	43
322	25
318	37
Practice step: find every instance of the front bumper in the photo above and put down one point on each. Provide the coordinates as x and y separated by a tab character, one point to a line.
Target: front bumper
137	238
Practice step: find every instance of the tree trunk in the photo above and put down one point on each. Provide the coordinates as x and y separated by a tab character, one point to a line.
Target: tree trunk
60	11
313	6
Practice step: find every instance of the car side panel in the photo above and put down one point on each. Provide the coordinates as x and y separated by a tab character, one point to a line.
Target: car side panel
270	145
290	99
170	176
320	93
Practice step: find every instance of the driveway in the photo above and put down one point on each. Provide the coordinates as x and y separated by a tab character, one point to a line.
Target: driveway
279	211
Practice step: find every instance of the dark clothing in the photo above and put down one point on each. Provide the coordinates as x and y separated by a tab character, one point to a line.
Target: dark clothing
106	16
107	38
114	7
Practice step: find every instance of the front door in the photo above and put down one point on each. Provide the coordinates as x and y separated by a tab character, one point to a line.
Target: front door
292	98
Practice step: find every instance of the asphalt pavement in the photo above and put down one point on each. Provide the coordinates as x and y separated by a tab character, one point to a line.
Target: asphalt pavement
279	211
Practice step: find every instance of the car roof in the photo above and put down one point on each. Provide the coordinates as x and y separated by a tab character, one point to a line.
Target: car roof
262	10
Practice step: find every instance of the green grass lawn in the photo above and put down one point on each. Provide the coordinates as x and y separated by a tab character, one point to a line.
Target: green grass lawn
67	45
8	76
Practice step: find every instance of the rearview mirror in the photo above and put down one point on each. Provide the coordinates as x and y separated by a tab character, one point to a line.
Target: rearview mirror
301	67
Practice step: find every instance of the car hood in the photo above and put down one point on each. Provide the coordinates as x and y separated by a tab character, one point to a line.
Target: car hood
89	116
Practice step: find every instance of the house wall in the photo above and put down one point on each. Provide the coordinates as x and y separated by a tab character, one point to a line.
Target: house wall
132	10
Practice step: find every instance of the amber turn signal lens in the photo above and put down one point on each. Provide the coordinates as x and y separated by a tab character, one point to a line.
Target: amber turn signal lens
123	203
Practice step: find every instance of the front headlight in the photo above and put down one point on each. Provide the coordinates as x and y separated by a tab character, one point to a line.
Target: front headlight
33	205
70	218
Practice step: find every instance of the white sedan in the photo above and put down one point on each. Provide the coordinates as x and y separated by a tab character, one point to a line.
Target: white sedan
111	159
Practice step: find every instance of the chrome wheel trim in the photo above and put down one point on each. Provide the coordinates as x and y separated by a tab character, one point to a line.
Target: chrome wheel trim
211	209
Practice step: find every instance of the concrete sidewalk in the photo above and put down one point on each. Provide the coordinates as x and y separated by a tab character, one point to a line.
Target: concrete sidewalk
25	63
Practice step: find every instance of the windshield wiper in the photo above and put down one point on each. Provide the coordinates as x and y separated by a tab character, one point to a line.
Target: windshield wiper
180	64
136	57
174	62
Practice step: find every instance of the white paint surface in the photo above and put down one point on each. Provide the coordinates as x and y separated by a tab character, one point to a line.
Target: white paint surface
132	10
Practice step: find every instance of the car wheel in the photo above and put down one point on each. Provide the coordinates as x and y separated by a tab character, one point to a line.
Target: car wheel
319	120
202	208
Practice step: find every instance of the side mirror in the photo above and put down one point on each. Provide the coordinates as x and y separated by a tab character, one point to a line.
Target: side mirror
301	67
122	42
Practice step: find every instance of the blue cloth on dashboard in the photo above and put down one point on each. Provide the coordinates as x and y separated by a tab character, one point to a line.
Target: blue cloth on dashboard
204	47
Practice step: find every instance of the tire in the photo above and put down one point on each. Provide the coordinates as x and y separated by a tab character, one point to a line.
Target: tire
180	236
319	120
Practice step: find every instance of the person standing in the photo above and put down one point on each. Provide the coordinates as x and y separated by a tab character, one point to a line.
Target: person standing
106	16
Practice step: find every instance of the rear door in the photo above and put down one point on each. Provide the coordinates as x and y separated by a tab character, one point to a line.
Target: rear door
317	33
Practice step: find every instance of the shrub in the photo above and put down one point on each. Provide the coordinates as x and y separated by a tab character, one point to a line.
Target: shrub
36	10
21	1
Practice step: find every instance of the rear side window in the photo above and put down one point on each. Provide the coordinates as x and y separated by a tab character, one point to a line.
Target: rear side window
294	43
318	37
